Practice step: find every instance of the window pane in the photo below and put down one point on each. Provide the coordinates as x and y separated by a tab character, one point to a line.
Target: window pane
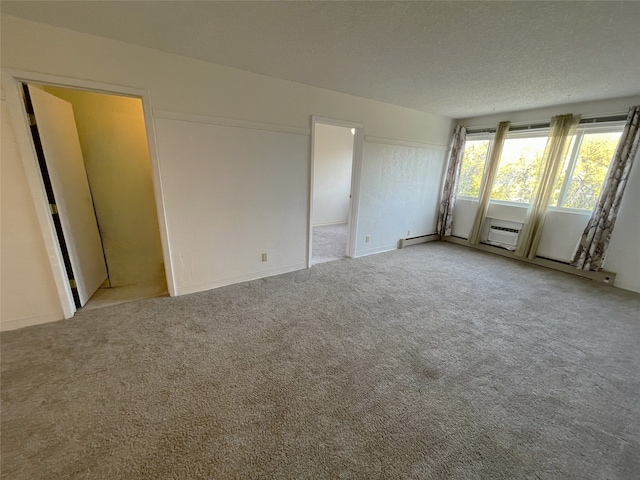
519	168
564	171
591	167
473	159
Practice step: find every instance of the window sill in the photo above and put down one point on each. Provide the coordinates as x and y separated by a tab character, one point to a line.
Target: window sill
575	211
553	208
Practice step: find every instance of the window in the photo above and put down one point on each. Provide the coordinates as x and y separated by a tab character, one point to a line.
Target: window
519	167
580	180
472	167
585	168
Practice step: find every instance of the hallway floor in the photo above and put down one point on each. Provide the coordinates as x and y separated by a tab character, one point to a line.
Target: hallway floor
329	243
107	296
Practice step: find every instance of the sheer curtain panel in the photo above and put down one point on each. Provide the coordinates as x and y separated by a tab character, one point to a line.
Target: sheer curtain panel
561	130
490	170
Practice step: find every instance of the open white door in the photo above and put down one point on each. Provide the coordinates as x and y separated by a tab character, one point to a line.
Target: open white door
63	156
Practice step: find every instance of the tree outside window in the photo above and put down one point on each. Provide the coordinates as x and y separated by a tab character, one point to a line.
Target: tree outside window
472	167
581	181
519	169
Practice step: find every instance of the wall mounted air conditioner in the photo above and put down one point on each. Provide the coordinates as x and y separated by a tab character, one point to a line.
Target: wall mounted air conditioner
503	233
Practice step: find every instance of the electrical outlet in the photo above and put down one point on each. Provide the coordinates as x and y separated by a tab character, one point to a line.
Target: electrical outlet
408	233
367	238
264	257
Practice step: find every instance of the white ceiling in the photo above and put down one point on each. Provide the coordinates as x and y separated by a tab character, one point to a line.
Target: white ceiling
458	59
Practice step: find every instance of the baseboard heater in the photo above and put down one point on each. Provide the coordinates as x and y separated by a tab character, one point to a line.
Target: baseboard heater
405	242
600	276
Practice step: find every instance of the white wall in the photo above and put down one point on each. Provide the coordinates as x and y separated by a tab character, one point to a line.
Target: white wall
248	191
333	159
29	295
235	194
116	155
623	256
400	189
562	229
560	234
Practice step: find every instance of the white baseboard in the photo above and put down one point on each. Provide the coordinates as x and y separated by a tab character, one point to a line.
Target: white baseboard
14	324
223	282
327	224
372	251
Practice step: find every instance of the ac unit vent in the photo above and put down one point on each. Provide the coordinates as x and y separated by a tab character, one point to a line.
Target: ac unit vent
503	233
505	229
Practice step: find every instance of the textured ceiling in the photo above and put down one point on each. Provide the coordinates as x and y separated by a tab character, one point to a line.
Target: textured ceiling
458	59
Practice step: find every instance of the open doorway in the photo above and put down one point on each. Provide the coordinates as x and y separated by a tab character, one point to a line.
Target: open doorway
331	217
95	164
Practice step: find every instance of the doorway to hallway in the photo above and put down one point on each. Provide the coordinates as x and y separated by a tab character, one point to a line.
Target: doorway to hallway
331	216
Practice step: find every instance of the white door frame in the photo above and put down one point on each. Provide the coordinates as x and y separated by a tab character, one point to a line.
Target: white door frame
356	171
11	84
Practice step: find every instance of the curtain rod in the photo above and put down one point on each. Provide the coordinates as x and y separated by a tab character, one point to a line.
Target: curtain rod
534	126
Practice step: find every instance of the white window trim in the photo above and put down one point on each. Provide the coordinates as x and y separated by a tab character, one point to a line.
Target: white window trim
478	137
609	127
509	204
580	211
532	133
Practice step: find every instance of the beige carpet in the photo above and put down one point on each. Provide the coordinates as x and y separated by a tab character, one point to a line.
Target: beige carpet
433	362
329	243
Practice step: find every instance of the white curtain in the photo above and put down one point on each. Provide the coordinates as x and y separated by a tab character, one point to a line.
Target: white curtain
591	249
561	130
490	170
445	219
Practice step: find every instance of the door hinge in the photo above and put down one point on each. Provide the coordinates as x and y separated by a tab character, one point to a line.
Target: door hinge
54	208
32	119
72	283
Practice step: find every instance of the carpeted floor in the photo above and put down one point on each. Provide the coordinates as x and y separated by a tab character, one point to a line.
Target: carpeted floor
434	361
329	243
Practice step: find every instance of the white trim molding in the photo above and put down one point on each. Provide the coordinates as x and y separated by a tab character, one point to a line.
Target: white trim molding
229	122
405	143
372	251
30	321
223	282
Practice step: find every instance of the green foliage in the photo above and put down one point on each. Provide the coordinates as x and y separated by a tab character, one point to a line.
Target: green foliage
473	160
594	158
516	181
519	169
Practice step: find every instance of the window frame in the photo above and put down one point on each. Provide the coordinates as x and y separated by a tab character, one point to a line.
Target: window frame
581	131
529	133
478	137
518	134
